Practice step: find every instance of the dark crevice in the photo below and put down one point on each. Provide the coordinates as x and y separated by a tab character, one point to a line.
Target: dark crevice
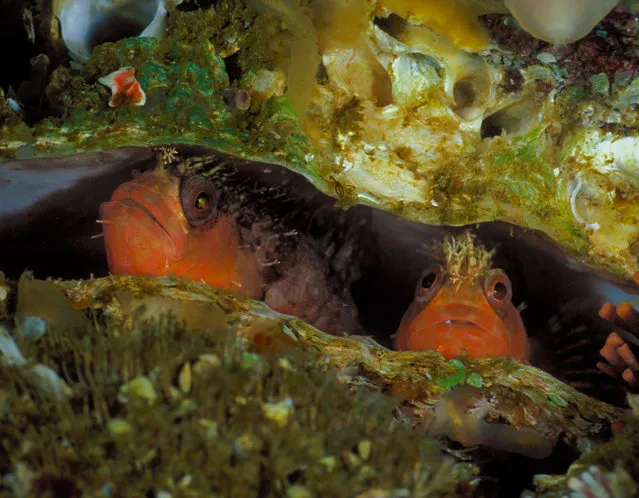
120	23
18	49
469	93
114	28
490	127
233	67
392	25
514	473
516	119
191	5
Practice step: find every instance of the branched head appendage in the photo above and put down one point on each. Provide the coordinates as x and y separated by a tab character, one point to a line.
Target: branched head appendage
464	257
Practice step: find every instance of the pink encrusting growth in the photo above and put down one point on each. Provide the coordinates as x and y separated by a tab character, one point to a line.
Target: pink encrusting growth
125	89
621	360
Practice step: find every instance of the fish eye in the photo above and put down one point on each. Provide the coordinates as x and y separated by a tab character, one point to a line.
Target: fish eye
497	287
202	202
198	196
500	291
429	280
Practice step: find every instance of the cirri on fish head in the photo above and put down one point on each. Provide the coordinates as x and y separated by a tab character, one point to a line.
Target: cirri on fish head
464	304
162	225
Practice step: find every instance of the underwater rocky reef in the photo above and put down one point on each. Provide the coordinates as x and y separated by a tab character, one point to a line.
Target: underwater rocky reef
105	394
444	124
219	220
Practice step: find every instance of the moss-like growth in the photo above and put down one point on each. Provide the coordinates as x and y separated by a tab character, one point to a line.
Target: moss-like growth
526	143
184	76
615	465
166	409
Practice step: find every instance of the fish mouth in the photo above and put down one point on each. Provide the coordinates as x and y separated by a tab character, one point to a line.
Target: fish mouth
470	328
460	322
148	197
134	205
119	217
451	328
462	316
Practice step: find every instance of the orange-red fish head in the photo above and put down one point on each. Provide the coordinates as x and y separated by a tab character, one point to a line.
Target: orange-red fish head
474	314
162	225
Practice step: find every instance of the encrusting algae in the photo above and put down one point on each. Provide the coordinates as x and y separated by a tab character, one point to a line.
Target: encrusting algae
161	408
226	406
389	103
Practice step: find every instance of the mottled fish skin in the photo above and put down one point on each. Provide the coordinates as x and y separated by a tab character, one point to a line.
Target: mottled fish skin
49	208
255	229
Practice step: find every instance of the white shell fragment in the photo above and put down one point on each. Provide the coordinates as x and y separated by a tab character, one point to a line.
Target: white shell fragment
40	375
611	155
88	23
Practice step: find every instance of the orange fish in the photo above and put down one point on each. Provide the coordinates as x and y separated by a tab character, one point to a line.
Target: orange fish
464	305
200	228
156	225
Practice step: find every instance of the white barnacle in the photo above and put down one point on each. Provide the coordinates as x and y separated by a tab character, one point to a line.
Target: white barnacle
40	375
573	206
87	23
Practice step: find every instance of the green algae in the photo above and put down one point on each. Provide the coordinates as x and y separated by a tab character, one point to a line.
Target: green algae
475	380
184	76
457	377
220	437
213	49
557	400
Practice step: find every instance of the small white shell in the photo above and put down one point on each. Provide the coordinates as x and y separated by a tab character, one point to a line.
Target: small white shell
87	23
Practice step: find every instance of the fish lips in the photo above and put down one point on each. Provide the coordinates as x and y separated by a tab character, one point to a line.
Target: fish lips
480	333
132	234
